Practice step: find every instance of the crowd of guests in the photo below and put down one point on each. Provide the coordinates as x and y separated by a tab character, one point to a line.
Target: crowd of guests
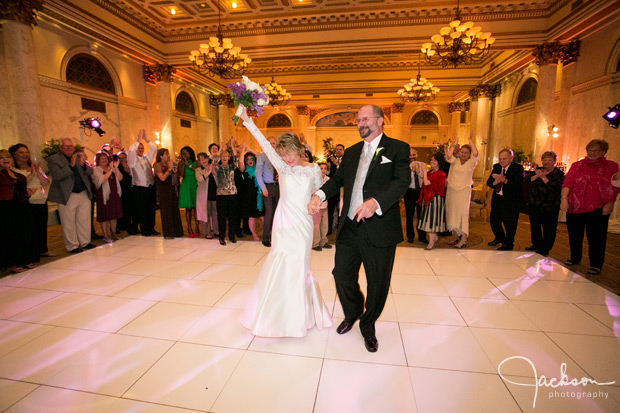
226	191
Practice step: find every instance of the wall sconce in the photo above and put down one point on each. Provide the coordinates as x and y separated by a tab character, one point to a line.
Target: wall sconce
553	131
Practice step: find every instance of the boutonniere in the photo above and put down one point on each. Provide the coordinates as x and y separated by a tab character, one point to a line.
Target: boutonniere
377	153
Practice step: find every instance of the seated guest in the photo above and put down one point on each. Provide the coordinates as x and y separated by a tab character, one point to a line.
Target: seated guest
18	247
432	198
107	178
166	195
588	198
544	207
71	190
37	202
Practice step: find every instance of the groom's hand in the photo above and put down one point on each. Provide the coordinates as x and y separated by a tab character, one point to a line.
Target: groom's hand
314	205
366	210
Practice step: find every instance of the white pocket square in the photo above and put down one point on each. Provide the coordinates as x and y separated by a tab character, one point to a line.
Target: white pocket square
384	160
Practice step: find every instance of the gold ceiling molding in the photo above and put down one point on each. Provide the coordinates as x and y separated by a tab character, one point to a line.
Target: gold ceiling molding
22	11
342	23
328	16
145	56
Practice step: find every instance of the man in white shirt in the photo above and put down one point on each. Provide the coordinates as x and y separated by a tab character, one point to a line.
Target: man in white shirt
142	180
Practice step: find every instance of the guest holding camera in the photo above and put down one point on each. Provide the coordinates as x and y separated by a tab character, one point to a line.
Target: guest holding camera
37	202
71	190
544	205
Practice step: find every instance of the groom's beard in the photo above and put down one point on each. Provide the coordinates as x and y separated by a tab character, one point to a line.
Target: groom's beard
364	131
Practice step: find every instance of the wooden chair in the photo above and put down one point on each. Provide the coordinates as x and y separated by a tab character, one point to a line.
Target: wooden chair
483	204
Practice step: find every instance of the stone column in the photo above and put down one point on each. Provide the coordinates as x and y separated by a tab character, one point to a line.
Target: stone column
561	144
544	110
481	106
161	76
455	109
397	120
547	57
22	76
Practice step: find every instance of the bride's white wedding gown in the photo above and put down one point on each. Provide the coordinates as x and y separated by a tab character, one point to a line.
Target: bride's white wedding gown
286	300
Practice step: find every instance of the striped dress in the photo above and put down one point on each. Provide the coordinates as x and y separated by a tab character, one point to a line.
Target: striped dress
433	201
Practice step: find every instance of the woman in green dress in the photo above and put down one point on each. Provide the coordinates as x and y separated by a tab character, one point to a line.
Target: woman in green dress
187	192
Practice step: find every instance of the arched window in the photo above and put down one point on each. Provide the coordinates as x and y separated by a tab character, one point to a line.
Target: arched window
279	120
87	70
527	93
184	103
424	117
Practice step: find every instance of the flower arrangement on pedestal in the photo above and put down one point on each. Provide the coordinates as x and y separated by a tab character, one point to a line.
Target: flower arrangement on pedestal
329	149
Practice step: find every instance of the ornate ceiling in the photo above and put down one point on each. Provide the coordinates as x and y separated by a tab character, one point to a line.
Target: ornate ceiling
341	50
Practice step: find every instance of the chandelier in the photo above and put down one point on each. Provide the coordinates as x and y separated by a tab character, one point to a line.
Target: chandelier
418	90
459	43
277	95
219	56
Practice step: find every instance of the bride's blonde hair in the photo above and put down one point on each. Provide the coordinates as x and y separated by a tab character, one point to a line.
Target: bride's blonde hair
287	143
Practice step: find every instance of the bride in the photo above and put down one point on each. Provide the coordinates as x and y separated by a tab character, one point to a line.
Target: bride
286	300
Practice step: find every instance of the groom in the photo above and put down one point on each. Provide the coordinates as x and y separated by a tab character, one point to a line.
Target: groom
375	175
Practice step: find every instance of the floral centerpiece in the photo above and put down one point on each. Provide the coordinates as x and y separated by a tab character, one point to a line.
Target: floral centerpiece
52	147
329	149
249	94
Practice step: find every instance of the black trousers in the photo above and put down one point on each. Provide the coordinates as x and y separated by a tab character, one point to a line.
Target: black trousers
144	207
128	222
353	248
543	227
504	218
39	218
227	212
413	208
333	204
269	204
595	225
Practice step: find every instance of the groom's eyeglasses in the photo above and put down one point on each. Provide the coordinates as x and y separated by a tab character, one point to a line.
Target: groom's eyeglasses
365	120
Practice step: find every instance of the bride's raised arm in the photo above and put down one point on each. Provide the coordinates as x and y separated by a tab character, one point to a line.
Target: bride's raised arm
272	155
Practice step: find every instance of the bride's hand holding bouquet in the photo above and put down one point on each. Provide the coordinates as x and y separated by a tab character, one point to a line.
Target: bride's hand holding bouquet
248	94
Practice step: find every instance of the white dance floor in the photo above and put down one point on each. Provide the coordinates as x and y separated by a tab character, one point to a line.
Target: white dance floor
150	325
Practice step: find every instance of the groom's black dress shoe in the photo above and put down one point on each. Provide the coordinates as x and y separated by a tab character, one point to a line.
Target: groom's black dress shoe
345	326
494	242
371	343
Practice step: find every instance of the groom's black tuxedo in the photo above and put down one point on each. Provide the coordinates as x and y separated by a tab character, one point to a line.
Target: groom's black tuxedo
386	182
372	241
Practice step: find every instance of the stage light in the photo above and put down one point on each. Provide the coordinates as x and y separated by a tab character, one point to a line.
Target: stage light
613	116
94	124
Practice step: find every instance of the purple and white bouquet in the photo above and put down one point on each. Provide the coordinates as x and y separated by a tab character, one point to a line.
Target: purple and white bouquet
249	94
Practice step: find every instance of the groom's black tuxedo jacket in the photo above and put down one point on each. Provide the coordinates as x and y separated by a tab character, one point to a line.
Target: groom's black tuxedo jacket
387	181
